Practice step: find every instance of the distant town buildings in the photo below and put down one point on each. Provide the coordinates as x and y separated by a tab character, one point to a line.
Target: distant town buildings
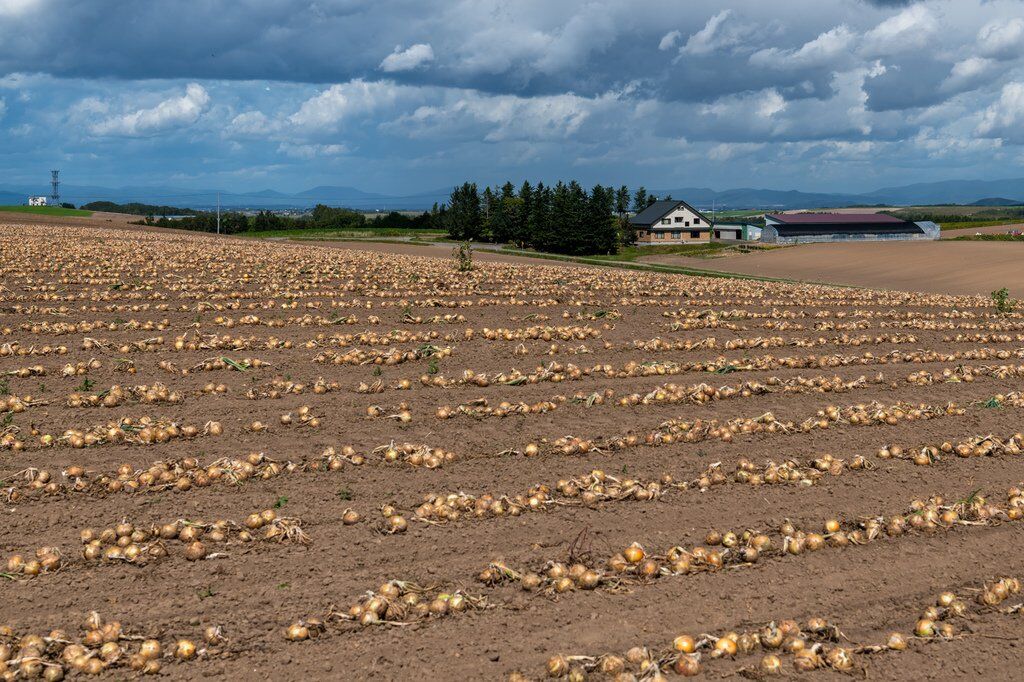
37	201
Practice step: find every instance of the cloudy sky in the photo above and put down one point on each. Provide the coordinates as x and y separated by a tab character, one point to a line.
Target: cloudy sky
400	96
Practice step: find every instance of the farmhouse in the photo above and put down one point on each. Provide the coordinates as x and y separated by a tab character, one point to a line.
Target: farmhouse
671	222
37	201
797	228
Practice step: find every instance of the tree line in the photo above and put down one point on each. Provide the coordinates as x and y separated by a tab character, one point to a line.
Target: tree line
135	208
561	218
320	218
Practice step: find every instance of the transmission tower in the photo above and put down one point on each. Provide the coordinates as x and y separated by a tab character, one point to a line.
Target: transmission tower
55	184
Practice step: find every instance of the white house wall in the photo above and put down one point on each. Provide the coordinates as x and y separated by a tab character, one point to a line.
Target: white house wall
685	216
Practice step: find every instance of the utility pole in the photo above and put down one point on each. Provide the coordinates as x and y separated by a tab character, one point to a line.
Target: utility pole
55	185
218	212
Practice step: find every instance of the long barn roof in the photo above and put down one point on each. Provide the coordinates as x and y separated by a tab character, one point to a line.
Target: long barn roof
833	218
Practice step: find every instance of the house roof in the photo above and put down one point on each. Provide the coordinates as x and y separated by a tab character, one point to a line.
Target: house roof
833	218
659	209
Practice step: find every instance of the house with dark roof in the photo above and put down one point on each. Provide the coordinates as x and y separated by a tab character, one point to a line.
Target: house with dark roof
671	222
798	228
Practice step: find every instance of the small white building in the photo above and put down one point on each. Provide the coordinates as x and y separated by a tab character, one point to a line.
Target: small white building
37	201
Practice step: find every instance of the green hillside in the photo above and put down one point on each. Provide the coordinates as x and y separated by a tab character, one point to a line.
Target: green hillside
46	210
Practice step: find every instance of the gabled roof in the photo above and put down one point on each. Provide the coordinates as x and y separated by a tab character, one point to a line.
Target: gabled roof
659	209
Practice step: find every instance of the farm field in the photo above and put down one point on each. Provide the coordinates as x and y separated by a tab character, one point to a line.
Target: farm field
46	211
227	457
940	267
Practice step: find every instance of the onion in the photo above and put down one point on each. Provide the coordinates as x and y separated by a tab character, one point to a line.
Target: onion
185	649
687	665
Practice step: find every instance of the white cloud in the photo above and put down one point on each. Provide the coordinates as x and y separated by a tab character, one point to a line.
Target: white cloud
821	51
330	108
583	34
718	34
15	8
911	29
3	108
771	103
1004	117
729	150
252	123
177	112
939	144
1003	38
966	73
668	41
408	59
505	118
311	151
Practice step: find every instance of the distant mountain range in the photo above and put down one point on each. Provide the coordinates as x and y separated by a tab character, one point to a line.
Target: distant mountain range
977	192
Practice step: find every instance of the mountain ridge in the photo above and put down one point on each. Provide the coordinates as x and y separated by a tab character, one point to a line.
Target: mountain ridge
927	193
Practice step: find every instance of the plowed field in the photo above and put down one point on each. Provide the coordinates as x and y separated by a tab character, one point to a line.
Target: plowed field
223	458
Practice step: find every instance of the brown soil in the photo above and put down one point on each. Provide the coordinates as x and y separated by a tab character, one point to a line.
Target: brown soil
963	268
98	292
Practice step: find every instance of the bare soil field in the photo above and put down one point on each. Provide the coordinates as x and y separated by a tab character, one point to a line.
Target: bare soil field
993	229
224	458
97	219
943	267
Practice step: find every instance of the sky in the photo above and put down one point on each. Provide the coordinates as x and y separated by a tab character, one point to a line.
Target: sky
404	96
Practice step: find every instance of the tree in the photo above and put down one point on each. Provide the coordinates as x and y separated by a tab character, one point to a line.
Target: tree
505	215
577	236
622	201
519	231
487	205
539	226
463	220
265	220
640	200
604	233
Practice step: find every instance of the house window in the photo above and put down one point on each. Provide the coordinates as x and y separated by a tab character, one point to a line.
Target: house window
694	234
718	234
677	235
687	223
666	221
679	219
696	221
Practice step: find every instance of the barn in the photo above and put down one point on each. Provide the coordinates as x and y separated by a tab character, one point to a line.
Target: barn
736	232
799	228
670	222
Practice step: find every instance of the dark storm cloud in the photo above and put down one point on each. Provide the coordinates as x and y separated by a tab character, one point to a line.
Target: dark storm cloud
385	91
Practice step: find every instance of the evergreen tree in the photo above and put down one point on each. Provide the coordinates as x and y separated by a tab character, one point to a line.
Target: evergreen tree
640	200
487	204
603	220
463	219
575	236
520	227
622	201
541	217
505	215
